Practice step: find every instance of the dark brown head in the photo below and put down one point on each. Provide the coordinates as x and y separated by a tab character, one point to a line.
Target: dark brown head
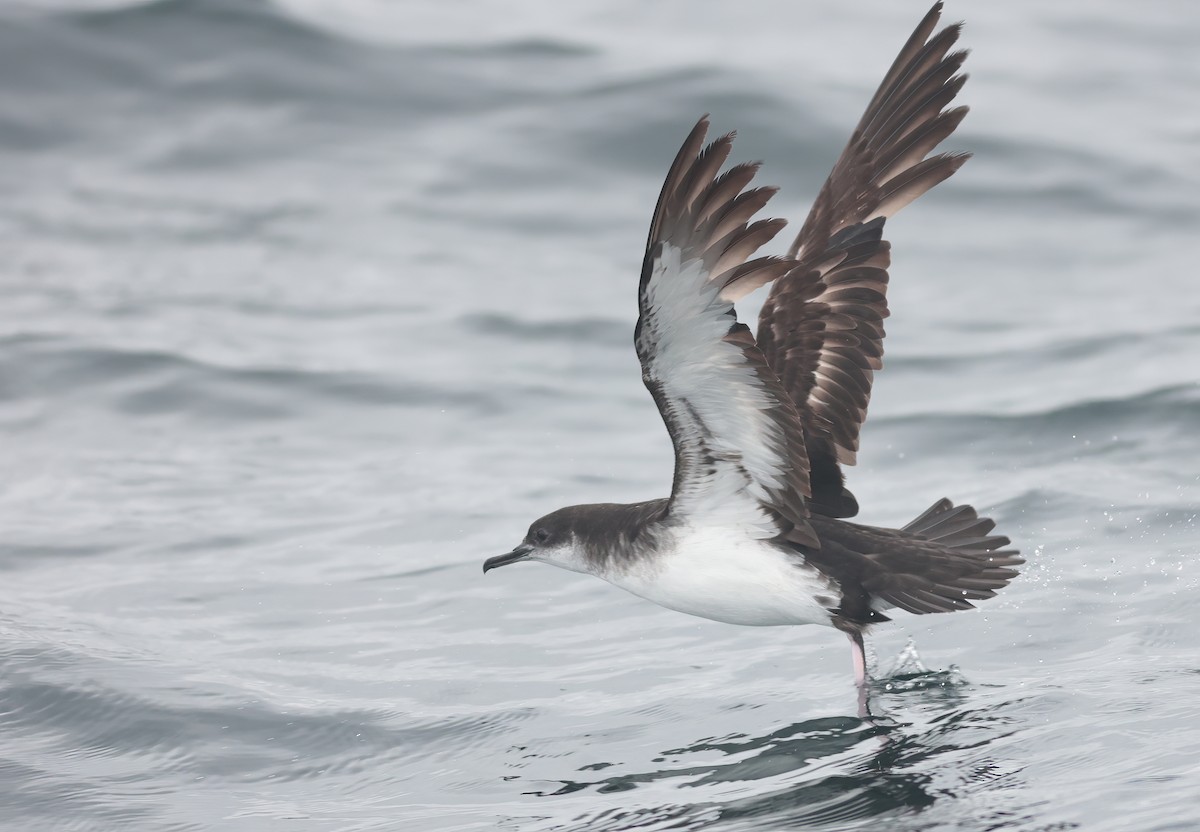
552	539
591	539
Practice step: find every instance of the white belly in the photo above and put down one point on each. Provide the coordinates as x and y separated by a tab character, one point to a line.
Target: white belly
721	575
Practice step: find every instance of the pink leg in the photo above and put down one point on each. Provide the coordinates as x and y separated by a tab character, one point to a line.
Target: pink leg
859	657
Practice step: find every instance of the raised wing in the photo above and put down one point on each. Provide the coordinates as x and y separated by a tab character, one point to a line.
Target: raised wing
739	452
821	328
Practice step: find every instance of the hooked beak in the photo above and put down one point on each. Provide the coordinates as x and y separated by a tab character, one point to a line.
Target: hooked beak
519	553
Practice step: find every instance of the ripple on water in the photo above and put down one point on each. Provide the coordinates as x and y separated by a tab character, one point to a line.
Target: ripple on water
154	383
300	324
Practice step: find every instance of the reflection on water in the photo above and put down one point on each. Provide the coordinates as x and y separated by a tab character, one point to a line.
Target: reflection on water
826	772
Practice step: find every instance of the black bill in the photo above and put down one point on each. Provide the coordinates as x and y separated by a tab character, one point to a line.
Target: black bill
519	553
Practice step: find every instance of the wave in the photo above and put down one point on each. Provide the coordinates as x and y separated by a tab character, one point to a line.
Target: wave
1173	406
572	331
99	744
139	383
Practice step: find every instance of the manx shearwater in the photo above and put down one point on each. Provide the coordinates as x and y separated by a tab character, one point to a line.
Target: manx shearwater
755	530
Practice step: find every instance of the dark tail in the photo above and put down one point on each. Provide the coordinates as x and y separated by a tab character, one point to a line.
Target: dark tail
942	561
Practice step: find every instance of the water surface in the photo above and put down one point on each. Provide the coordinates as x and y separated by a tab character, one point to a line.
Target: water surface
313	305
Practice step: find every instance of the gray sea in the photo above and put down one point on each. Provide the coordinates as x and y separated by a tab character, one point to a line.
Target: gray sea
309	306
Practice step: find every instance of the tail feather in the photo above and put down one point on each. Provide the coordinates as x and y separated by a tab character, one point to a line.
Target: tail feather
929	516
948	562
958	527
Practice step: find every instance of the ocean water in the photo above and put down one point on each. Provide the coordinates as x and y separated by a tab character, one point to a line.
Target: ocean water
309	306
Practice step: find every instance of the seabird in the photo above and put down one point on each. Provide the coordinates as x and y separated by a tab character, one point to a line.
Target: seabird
755	531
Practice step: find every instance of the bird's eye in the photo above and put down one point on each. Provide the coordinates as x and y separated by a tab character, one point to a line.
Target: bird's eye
541	536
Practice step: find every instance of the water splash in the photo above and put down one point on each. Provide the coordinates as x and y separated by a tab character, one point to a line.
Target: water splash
909	673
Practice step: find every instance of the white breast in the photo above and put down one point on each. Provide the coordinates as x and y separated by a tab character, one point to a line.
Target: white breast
721	574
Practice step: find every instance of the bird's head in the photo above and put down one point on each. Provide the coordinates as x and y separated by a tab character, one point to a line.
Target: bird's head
553	539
